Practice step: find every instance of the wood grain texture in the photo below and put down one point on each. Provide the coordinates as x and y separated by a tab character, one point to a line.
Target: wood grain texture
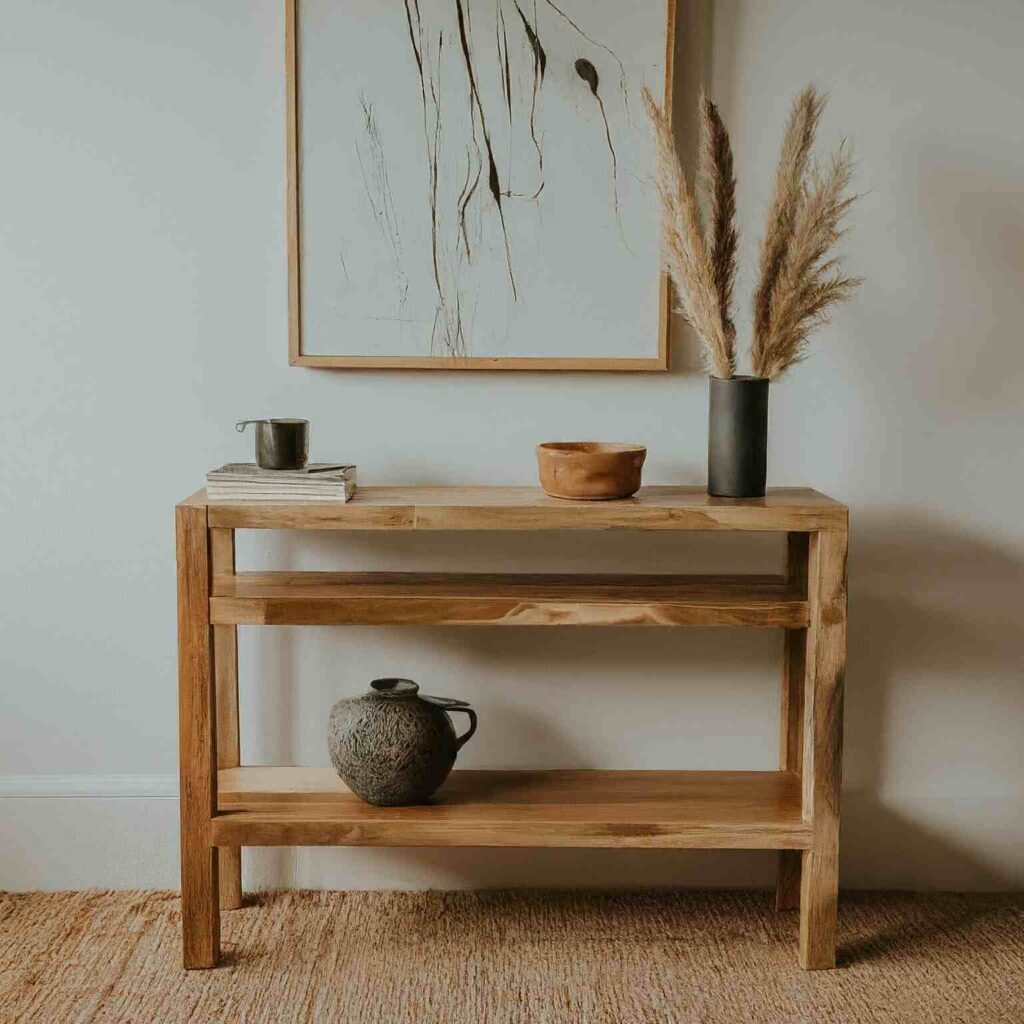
298	356
225	674
823	748
647	809
787	883
529	508
456	599
794	642
200	913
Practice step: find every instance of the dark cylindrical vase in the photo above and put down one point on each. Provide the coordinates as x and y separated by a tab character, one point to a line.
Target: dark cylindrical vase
737	436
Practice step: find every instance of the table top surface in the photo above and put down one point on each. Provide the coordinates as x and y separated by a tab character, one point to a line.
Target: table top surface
529	508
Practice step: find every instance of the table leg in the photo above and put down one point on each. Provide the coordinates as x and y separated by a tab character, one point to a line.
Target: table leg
823	742
225	671
791	753
200	914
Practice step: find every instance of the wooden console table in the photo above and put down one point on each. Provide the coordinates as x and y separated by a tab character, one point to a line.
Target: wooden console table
794	810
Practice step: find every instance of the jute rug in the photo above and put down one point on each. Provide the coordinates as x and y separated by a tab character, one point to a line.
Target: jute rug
490	957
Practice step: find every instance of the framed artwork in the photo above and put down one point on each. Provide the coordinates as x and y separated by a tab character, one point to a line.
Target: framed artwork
469	184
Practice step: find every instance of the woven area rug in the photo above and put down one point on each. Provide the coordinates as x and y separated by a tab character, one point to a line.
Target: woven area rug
490	957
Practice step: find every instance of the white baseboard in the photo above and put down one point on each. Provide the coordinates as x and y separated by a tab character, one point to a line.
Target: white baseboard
88	832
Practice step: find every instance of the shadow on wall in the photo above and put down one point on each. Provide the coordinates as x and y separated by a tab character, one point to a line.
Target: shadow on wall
930	609
934	623
961	200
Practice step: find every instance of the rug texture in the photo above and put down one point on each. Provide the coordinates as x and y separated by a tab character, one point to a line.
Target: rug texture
490	957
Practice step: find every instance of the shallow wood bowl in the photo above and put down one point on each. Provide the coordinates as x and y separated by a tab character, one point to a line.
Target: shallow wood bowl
590	470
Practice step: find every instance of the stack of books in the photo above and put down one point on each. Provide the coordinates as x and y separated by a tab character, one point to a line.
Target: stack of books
245	481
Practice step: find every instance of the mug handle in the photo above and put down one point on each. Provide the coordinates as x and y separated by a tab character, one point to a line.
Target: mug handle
242	424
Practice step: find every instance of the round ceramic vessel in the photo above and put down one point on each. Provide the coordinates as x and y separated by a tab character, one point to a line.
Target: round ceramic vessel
392	746
590	470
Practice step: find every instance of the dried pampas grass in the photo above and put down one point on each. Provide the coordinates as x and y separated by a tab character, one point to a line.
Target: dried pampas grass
688	258
800	279
720	186
797	142
808	281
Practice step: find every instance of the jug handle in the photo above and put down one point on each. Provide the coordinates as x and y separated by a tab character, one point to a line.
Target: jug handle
451	704
461	741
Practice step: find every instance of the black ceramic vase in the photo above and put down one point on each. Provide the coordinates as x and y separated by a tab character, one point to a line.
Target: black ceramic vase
737	436
393	745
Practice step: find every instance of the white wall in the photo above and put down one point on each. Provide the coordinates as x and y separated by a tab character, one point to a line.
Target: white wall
143	310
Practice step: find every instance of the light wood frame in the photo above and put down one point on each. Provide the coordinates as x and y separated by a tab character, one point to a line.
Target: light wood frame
296	354
795	810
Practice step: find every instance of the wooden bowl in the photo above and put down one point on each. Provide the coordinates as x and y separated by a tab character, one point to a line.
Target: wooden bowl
590	470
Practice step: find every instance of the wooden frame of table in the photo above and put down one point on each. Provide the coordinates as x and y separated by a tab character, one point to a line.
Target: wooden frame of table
794	810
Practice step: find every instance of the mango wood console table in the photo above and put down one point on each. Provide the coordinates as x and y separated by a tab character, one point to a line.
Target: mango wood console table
794	810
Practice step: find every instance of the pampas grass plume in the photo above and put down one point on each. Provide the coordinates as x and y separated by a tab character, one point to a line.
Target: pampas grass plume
800	279
687	256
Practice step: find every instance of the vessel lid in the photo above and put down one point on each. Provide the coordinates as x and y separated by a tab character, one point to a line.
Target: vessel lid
394	687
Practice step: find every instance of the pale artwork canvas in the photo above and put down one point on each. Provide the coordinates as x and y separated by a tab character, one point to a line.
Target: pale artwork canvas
473	181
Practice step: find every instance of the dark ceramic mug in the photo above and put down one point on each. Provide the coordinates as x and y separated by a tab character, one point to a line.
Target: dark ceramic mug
280	444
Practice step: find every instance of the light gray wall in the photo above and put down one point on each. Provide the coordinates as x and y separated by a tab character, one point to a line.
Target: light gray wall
143	310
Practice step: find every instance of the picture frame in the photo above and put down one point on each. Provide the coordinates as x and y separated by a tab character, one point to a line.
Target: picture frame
305	351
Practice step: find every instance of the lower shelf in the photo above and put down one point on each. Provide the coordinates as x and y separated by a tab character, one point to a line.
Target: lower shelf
639	809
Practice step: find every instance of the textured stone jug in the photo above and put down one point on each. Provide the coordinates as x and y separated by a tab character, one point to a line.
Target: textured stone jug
392	746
